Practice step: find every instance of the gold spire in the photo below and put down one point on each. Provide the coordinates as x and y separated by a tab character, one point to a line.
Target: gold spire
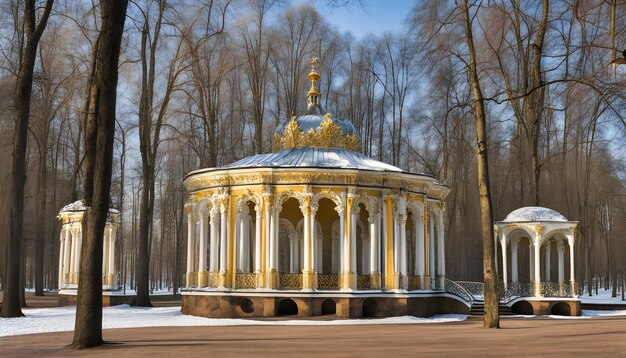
313	97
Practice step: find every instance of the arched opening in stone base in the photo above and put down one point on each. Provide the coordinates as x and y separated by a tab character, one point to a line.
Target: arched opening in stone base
329	307
287	307
561	309
523	307
370	308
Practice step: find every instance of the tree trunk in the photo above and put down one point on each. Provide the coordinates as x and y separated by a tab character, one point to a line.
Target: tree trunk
99	135
492	317
33	31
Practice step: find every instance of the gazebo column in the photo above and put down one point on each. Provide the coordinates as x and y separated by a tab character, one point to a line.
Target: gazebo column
67	252
431	248
61	251
214	240
307	259
374	221
418	219
272	270
348	280
246	241
441	251
191	234
570	241
354	217
537	261
561	264
241	238
514	276
223	273
547	270
203	275
403	264
78	240
72	264
531	260
505	269
315	245
258	253
112	277
339	260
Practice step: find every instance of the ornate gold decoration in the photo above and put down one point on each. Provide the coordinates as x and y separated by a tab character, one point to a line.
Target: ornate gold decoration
292	281
328	135
246	280
328	282
363	282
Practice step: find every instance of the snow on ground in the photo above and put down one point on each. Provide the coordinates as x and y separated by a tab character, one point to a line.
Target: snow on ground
41	320
603	297
593	313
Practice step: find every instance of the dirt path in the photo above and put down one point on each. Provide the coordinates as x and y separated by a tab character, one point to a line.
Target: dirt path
518	337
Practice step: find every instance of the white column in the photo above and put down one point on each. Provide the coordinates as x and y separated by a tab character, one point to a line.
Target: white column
431	245
383	240
273	240
202	243
246	241
214	242
372	219
396	242
111	270
531	259
306	239
505	269
223	237
570	241
61	250
314	242
105	250
79	245
70	268
342	239
239	238
353	225
258	232
560	249
191	234
67	252
418	219
547	249
514	277
402	229
537	261
441	250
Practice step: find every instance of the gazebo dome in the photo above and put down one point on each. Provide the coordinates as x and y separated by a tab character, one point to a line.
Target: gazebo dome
313	120
534	213
313	158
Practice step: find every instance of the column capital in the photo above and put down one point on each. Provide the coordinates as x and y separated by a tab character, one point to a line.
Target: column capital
559	246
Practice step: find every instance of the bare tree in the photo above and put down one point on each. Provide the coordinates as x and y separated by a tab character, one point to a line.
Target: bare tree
492	317
99	135
28	54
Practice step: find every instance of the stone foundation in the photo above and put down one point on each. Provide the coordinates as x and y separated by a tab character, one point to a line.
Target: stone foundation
69	299
270	304
538	307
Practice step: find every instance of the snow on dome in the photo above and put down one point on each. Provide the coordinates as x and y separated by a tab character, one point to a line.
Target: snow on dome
534	213
79	205
75	206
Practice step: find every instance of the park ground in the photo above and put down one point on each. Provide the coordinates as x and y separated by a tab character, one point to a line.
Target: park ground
519	336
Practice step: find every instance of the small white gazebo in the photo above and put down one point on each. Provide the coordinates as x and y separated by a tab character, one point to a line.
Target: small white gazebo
541	227
71	217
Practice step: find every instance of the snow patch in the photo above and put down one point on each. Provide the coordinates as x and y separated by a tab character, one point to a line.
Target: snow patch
603	297
42	320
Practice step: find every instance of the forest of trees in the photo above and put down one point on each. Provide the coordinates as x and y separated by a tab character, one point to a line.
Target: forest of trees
204	83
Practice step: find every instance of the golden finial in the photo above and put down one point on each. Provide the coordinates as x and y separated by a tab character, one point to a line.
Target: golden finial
313	96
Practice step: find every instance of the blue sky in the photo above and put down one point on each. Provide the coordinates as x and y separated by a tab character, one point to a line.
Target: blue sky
375	16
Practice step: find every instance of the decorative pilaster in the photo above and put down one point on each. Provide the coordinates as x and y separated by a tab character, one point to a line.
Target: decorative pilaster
420	264
505	269
374	222
441	250
203	275
223	273
191	235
